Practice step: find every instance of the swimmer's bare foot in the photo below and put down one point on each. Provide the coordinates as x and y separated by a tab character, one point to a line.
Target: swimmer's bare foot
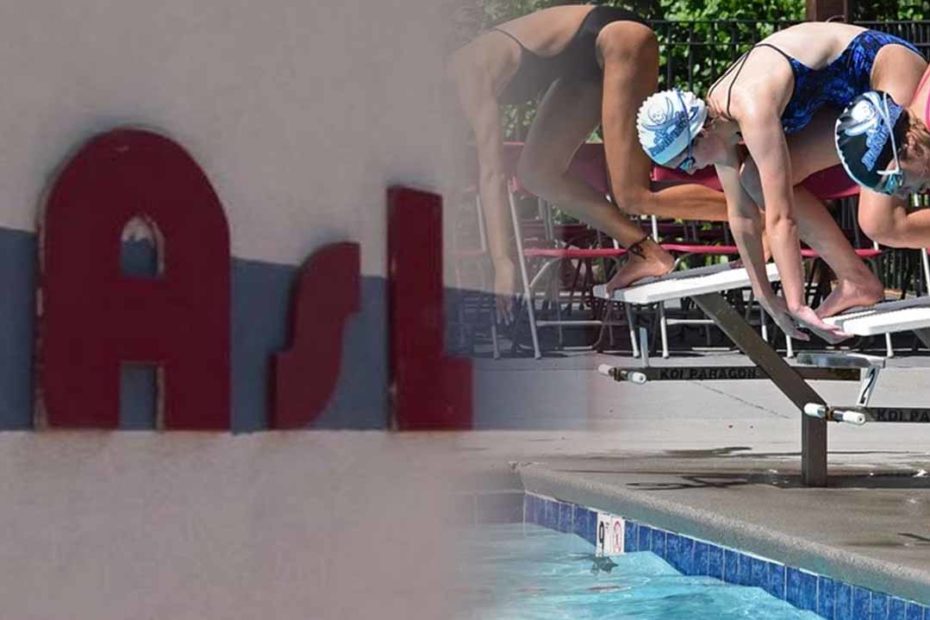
654	262
847	294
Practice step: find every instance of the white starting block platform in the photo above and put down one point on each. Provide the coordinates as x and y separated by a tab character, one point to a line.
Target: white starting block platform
884	318
678	284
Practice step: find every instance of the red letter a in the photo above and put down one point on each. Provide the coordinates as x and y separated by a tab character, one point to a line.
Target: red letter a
93	318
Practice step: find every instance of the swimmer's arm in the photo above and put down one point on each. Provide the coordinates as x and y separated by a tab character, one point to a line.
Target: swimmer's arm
765	140
746	225
476	95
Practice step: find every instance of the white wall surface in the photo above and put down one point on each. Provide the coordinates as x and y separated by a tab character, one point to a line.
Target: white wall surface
302	526
300	111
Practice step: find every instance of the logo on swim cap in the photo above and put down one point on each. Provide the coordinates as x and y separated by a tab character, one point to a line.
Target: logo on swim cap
667	121
863	117
867	135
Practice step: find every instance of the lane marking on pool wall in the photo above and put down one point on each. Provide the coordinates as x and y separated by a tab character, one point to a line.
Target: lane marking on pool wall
610	534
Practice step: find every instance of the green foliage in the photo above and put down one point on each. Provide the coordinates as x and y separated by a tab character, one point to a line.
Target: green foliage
703	37
700	39
880	10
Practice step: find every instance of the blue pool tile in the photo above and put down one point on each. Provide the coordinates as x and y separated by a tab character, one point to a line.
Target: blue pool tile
584	523
565	517
672	549
777	576
758	576
715	562
579	521
914	612
861	602
843	602
793	587
592	527
731	566
745	575
551	516
645	538
631	536
658	543
878	608
701	550
540	511
896	608
534	508
686	555
809	591
826	597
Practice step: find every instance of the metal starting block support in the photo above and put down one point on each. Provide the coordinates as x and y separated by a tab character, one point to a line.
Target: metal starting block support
832	414
718	373
869	366
860	413
704	287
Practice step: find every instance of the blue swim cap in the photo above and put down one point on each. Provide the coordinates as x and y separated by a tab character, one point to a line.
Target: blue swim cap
869	135
668	121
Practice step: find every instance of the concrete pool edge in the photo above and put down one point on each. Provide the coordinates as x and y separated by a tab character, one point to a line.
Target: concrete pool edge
856	570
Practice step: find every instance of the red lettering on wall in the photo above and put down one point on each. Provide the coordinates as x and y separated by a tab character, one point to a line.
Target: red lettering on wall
303	377
92	318
429	390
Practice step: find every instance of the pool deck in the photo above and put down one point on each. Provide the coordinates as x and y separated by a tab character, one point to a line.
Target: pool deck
718	461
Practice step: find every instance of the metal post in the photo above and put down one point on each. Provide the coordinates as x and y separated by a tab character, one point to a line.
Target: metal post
924	336
828	10
791	384
644	346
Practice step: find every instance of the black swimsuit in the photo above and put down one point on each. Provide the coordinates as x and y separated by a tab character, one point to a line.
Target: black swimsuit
578	61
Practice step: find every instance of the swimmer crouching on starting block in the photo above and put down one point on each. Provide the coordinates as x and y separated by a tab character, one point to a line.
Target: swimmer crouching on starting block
766	125
596	65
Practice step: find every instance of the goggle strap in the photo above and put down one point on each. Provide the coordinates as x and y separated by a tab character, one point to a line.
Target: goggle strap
886	117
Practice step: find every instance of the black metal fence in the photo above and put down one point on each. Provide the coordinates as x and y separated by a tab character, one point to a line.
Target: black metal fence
695	53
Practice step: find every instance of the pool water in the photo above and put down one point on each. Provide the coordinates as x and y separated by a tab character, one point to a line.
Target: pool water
528	572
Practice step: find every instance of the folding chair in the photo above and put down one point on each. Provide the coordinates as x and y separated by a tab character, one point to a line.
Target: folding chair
559	243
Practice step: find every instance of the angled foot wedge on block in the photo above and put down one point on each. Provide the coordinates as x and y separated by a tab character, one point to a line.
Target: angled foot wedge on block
884	318
839	359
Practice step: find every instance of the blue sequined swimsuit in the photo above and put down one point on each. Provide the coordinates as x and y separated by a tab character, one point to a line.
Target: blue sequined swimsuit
836	84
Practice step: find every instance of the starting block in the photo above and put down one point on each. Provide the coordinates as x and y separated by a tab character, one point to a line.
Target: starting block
888	317
703	287
688	283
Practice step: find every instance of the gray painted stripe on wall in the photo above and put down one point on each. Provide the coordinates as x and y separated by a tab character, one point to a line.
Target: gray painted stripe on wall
17	312
259	306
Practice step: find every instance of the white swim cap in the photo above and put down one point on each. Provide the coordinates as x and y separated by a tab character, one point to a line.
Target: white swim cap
668	121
